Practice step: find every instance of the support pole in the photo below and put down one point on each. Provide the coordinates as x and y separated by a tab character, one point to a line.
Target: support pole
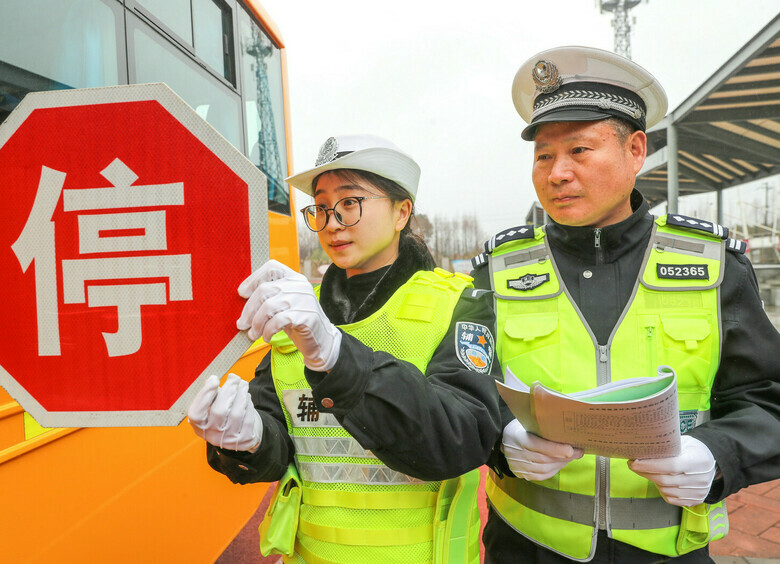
673	185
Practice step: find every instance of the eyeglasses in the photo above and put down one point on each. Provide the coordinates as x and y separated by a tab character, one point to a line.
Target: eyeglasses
347	212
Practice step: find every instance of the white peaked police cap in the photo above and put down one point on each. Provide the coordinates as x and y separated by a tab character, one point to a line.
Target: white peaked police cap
362	152
585	84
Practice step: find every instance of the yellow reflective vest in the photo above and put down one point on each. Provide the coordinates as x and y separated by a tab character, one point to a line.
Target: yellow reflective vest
354	509
672	318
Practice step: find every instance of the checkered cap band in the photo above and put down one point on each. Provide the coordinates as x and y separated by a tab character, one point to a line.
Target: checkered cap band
592	96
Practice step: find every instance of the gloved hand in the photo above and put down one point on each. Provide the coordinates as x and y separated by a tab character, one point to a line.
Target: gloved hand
226	416
280	299
684	479
532	457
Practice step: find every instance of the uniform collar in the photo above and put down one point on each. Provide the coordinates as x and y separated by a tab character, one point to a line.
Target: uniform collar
615	240
342	305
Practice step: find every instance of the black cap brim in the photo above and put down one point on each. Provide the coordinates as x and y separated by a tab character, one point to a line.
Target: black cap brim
567	115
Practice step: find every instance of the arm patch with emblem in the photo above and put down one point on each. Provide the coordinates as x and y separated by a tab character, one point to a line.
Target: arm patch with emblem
475	346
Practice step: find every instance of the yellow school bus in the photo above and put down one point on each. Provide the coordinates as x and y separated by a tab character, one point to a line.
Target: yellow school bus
141	494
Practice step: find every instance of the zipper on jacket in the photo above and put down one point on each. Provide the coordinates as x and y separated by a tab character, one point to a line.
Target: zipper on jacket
603	493
597	245
602	374
602	370
650	334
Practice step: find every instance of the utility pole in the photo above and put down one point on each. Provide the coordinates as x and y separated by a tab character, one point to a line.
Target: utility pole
766	188
620	23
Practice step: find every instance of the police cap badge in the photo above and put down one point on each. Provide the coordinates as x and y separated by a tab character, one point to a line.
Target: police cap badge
361	152
585	84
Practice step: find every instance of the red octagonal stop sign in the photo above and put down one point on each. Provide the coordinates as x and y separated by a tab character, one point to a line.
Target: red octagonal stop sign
126	225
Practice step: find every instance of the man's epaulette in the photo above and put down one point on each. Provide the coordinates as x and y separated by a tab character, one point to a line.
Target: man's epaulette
511	234
479	260
736	246
699	224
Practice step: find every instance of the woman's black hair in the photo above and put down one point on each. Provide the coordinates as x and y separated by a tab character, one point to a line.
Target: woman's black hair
409	240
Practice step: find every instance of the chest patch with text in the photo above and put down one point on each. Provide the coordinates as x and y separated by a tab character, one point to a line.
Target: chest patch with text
683	271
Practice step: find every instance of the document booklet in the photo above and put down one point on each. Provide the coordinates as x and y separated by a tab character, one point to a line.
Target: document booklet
632	418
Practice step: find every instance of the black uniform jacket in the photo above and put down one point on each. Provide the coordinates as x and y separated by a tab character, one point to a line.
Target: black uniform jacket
432	426
744	431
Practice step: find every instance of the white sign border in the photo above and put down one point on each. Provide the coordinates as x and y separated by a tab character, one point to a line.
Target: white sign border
258	228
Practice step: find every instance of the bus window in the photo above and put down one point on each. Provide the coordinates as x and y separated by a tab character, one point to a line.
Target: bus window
155	60
53	45
213	27
173	14
261	79
226	66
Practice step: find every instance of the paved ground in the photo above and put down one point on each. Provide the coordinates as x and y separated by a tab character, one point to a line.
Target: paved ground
754	517
754	525
743	560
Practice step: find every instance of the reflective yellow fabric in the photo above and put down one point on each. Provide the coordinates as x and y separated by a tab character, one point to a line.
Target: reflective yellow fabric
542	337
366	537
367	500
456	525
376	518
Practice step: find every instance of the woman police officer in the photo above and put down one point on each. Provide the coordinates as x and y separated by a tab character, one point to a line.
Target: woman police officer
378	386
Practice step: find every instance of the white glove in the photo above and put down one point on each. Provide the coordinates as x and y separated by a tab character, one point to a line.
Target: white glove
226	416
532	457
280	299
684	479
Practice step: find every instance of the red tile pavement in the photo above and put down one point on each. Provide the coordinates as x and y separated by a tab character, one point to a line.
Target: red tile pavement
245	548
754	523
754	527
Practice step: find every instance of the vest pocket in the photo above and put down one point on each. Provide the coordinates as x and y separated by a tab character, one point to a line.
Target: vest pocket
687	340
531	347
688	331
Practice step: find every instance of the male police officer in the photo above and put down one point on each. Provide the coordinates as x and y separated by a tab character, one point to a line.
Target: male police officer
604	292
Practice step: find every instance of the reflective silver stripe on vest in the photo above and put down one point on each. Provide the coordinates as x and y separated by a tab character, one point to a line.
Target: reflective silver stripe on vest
719	522
352	474
532	255
690	418
707	249
623	512
330	446
303	410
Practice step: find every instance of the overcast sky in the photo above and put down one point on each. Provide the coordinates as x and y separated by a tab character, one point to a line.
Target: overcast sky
435	78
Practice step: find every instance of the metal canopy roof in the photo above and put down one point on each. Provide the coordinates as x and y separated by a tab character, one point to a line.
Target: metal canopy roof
727	132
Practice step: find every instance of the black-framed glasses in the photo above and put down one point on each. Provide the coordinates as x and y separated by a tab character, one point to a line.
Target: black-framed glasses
347	212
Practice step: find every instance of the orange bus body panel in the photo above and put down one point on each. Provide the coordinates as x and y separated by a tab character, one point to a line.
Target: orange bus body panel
117	494
281	228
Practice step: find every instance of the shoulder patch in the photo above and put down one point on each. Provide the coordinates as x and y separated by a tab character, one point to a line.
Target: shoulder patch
699	224
479	260
736	246
475	346
511	234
